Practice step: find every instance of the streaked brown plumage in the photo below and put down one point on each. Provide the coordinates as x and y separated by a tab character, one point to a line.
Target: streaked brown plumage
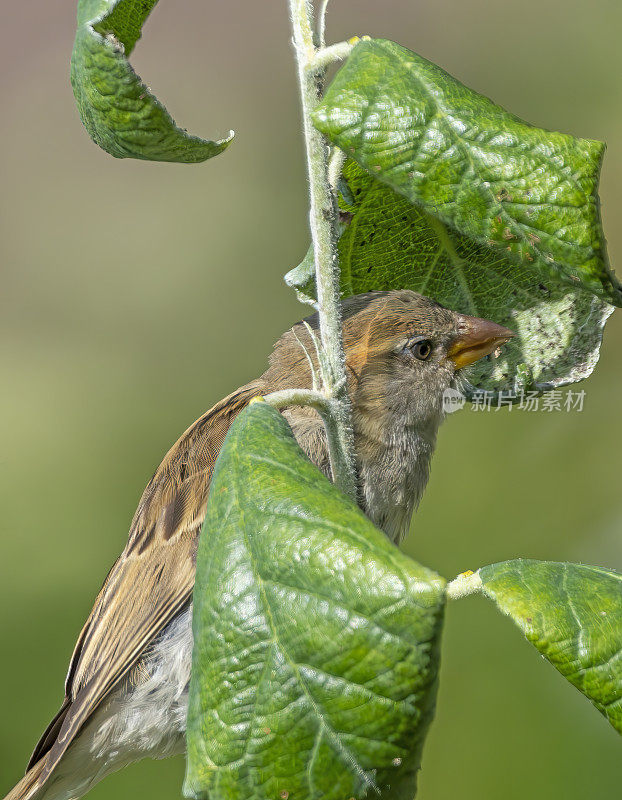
397	397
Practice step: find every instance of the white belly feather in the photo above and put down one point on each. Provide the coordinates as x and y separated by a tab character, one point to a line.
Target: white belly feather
143	719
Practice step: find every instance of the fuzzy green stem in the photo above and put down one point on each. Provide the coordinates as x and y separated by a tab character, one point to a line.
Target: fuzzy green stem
326	56
335	168
321	23
465	584
323	218
324	406
299	397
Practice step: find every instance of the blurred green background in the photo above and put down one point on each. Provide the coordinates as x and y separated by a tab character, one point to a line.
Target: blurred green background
135	295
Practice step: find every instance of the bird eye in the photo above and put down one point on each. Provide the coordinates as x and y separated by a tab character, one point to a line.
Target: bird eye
422	349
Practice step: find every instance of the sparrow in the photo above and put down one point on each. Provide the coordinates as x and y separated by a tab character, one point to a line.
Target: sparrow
126	691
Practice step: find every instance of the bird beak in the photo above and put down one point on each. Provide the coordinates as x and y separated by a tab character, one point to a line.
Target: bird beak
476	338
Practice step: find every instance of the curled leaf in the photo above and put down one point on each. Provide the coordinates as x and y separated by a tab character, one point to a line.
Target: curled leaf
117	109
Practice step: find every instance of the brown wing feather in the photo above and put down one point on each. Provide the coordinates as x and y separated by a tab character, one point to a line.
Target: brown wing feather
30	784
49	735
153	578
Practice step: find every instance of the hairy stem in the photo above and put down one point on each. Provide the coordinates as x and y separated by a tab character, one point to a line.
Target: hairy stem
321	23
324	406
323	218
299	397
326	56
465	584
335	168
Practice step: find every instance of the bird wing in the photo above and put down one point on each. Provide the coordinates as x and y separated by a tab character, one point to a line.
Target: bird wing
150	582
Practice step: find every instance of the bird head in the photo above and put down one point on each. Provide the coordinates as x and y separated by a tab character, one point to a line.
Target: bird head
404	350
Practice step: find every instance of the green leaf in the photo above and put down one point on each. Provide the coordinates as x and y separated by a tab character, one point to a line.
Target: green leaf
390	243
506	185
572	614
302	278
117	109
315	639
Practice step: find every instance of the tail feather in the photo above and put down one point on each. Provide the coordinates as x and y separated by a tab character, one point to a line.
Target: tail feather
30	784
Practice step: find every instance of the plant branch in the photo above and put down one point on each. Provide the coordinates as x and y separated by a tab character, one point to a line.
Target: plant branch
323	218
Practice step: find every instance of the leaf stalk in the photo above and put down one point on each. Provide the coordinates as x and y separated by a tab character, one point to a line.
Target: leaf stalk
335	168
463	585
321	23
325	56
299	397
